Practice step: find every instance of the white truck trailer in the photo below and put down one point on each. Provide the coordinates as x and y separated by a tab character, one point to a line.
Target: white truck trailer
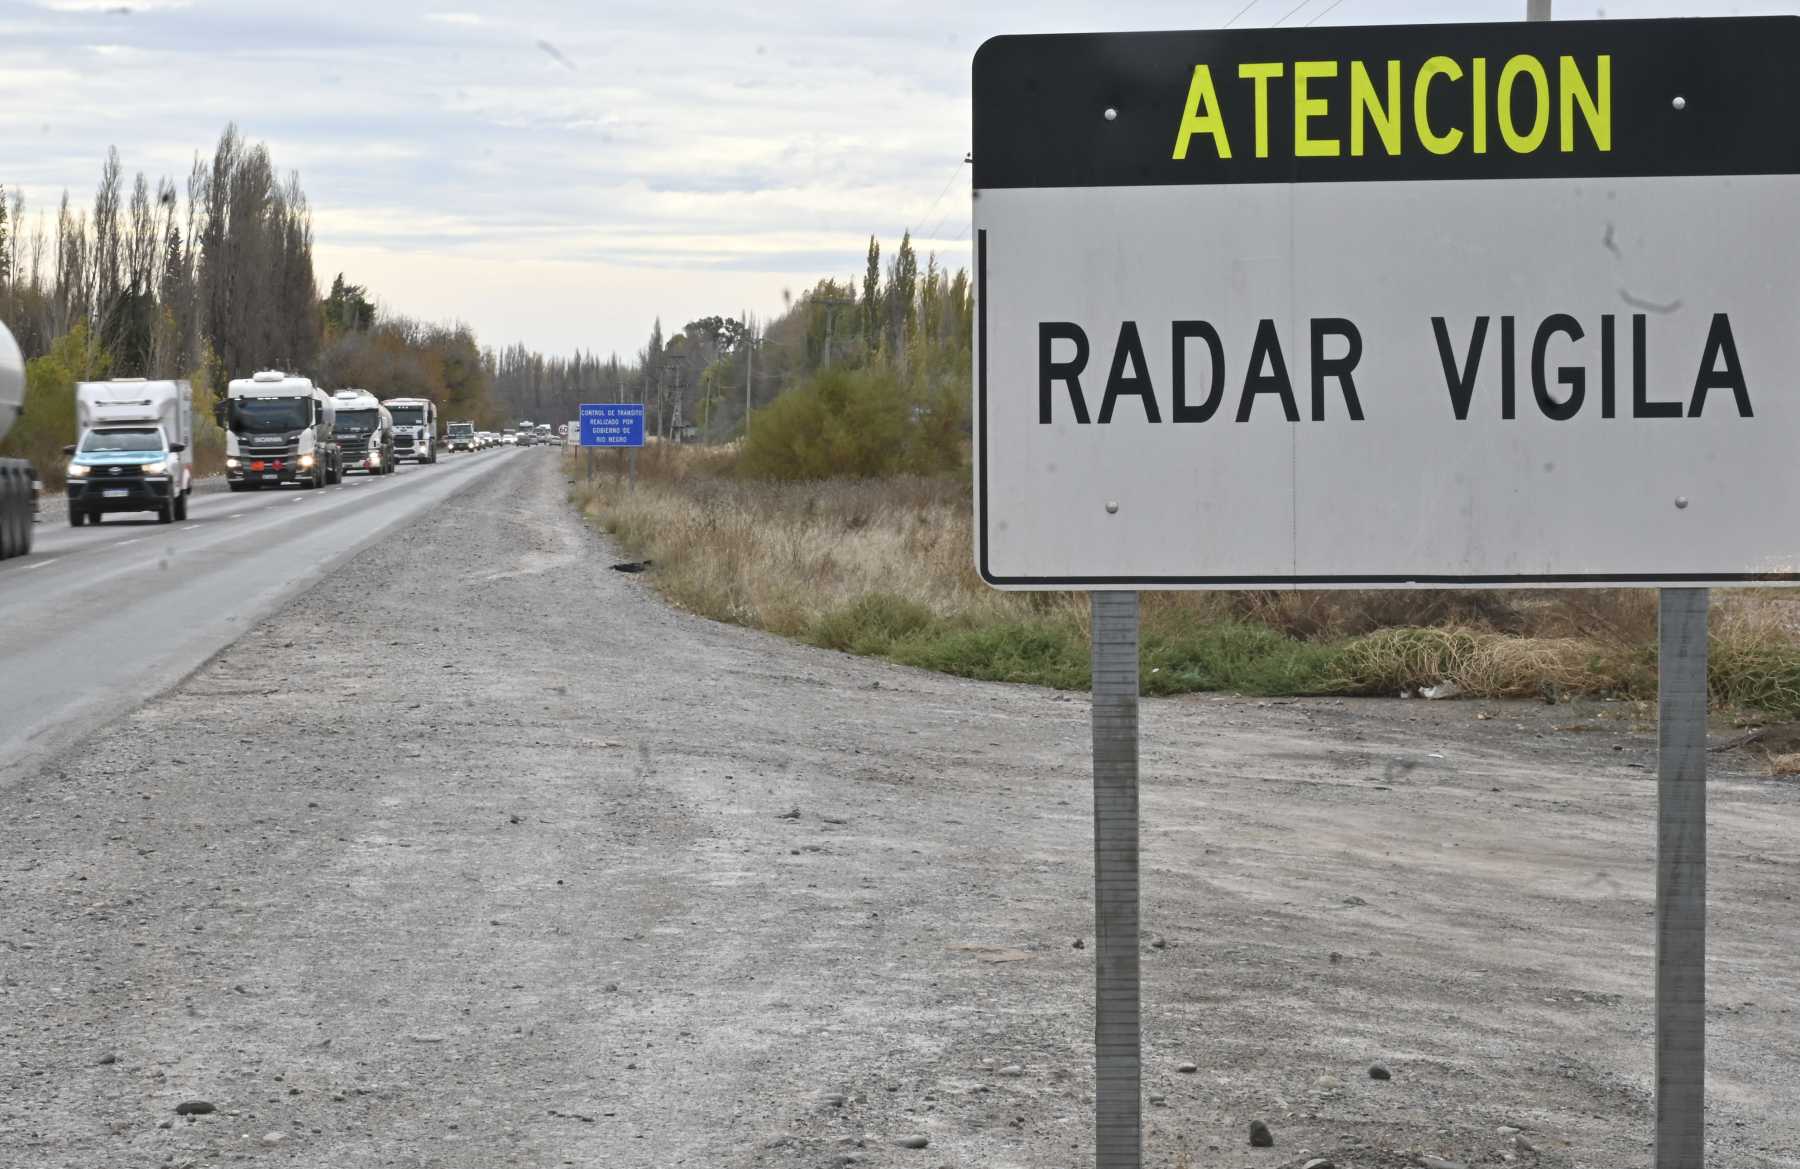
365	432
415	428
280	429
134	453
18	480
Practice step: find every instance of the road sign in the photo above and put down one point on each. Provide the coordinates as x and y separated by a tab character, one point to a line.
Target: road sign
1450	305
612	424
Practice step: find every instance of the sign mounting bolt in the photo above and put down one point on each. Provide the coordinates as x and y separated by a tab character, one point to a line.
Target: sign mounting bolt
1112	507
1112	115
1680	102
1680	502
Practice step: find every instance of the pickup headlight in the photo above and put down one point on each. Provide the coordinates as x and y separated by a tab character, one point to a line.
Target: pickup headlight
77	471
155	468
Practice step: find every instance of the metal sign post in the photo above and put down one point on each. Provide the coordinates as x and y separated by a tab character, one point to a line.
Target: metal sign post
1681	880
1117	1034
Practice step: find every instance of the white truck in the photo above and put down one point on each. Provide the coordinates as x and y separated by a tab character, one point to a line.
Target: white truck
365	432
134	451
415	428
18	481
279	429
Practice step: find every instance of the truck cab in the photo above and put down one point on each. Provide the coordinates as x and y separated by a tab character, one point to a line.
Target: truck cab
462	436
365	432
415	428
280	429
133	451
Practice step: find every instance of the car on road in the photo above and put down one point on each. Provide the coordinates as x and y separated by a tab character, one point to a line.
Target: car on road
132	453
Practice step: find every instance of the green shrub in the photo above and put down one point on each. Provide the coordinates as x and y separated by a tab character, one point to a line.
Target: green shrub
871	624
856	424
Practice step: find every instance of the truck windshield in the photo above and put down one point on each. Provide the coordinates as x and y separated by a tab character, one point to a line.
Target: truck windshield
357	421
268	415
462	428
142	439
408	415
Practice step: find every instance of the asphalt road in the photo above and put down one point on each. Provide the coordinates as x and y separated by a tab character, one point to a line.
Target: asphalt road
98	619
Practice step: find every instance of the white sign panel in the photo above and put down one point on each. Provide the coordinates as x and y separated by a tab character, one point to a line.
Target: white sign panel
1570	359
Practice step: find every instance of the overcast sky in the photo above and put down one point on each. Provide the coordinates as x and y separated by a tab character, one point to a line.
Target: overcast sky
561	173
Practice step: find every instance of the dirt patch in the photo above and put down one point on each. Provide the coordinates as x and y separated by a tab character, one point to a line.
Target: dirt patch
504	872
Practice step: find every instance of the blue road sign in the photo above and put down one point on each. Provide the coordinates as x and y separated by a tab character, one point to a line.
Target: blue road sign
612	424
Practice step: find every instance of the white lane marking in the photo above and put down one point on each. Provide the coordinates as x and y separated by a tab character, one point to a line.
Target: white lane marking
41	563
236	515
133	540
191	528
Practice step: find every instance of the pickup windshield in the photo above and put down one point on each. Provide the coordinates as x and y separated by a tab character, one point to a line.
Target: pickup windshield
111	441
408	415
357	421
268	415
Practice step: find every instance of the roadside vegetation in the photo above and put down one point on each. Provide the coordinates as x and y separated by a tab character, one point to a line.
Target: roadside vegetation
882	566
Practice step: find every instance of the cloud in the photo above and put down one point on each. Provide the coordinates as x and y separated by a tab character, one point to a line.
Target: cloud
562	173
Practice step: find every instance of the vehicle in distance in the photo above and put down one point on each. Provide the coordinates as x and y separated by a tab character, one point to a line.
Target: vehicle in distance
18	479
133	449
543	433
365	432
509	437
415	428
462	436
279	429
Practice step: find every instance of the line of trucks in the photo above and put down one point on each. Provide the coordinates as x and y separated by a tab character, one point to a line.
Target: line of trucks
135	450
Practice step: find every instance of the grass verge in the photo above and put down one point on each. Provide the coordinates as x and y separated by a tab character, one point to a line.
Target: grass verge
882	567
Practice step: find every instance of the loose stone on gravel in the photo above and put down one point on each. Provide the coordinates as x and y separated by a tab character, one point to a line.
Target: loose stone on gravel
1187	1069
1379	1072
1319	1163
790	814
195	1108
1260	1136
1439	1163
1011	1069
274	1138
913	1142
109	1057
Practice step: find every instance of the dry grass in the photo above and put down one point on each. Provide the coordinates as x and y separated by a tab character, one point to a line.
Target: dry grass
886	567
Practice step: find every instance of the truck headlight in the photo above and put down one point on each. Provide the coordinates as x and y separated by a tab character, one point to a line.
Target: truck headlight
155	468
77	471
232	464
306	461
374	458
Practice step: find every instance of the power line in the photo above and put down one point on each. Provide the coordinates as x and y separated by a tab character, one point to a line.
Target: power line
919	220
1240	13
1322	12
1296	8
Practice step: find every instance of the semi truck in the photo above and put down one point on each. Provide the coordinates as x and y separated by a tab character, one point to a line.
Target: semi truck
133	453
365	432
415	428
18	479
279	429
462	436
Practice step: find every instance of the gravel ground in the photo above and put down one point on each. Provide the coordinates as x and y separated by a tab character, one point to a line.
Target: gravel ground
479	855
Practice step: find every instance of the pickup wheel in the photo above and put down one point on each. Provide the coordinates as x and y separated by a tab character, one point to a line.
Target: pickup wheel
77	517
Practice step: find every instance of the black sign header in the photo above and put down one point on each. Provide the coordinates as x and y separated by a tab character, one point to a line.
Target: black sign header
1565	99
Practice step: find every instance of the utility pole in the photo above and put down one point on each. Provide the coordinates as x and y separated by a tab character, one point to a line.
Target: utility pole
749	369
831	303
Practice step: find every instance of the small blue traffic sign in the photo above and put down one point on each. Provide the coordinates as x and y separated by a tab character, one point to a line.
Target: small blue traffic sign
619	424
